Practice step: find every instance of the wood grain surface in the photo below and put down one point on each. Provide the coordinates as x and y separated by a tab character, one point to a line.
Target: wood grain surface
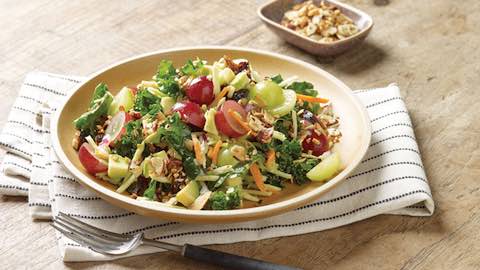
430	48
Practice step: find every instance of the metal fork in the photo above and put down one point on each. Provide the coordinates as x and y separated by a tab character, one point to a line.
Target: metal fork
115	244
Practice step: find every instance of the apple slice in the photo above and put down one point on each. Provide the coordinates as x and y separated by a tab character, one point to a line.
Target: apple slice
90	162
326	169
116	128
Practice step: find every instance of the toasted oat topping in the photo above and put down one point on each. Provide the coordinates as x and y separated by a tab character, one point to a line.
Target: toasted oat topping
324	23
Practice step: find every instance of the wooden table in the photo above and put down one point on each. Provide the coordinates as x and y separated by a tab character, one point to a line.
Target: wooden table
430	48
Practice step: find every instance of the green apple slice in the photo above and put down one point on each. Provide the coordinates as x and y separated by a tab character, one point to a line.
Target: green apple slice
326	169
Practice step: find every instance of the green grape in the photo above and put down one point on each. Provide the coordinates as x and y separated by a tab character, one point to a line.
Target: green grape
287	106
269	94
225	157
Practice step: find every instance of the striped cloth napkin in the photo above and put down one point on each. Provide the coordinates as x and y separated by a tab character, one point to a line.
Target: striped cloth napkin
390	179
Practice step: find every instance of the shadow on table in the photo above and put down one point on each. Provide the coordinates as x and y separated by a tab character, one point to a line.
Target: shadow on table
360	59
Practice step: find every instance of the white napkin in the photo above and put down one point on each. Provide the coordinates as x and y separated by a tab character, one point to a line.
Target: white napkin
390	179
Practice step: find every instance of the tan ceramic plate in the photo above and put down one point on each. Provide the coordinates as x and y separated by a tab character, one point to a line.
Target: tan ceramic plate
355	127
272	12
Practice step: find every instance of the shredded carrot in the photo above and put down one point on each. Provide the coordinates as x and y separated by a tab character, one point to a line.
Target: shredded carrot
210	151
257	176
312	99
215	151
220	96
198	153
270	157
239	120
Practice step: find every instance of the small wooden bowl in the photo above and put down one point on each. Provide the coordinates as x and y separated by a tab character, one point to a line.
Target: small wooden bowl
354	125
272	12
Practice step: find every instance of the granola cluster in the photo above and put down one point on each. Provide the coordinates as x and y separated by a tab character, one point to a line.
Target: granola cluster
324	23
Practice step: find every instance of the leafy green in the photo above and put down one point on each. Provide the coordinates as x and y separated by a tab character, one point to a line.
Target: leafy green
239	170
299	170
150	191
147	103
288	151
98	107
220	200
99	92
304	88
191	68
274	180
174	132
165	70
313	107
133	136
165	78
277	78
284	124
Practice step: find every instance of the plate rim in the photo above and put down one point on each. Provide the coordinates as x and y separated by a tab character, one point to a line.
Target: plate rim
210	216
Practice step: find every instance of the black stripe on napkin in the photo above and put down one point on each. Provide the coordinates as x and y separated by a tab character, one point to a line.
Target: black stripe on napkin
77	197
63	78
30	204
383	102
385	166
15	148
391	151
65	178
17	136
28	126
13	187
390	126
38	183
386	115
393	137
362	190
17	165
31	99
24	110
56	92
101	217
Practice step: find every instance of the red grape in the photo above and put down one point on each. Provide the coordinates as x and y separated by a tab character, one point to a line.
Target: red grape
190	112
315	142
224	127
200	90
233	106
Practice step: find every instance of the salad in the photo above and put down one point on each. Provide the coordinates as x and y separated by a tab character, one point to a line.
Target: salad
208	136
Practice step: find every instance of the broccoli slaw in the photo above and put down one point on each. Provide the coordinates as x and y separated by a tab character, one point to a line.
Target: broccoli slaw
208	136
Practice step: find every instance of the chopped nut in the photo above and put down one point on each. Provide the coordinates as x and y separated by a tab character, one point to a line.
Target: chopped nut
239	152
323	22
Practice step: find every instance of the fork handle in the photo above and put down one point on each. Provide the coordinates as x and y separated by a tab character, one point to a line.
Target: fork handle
229	261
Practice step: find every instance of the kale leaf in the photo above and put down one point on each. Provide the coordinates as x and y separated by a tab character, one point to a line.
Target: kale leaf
299	170
288	152
174	132
274	180
165	79
165	70
304	88
277	79
127	145
99	92
99	105
190	68
147	103
221	200
150	191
